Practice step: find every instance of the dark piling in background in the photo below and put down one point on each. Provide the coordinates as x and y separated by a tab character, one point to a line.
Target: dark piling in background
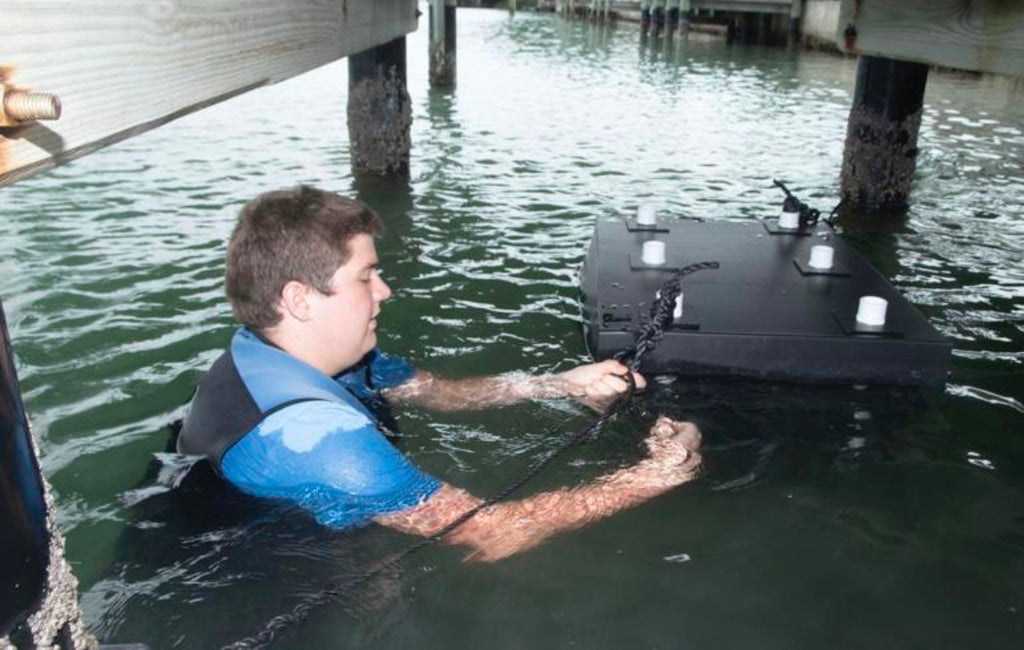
379	110
764	28
881	136
442	43
658	16
673	17
793	35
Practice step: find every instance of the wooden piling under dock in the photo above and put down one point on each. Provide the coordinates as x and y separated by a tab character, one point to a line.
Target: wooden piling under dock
897	42
442	43
379	110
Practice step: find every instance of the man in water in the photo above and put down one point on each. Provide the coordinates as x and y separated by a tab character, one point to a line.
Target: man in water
286	412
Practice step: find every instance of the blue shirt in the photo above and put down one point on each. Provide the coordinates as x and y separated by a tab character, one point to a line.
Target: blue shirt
328	455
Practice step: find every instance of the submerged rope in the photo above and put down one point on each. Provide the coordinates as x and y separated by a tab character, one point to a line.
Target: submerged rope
646	340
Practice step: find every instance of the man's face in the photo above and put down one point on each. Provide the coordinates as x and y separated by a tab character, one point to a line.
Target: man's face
345	322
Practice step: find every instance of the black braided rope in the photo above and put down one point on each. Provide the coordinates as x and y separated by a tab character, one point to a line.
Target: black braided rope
808	215
648	338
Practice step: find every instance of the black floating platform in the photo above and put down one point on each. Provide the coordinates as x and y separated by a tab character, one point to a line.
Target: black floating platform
764	313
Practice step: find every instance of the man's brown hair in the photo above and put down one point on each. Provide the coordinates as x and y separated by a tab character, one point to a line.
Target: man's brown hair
299	234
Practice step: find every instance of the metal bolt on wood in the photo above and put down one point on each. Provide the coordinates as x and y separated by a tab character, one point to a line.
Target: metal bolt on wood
19	106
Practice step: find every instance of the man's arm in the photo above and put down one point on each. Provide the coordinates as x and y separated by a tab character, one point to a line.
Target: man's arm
507	528
594	382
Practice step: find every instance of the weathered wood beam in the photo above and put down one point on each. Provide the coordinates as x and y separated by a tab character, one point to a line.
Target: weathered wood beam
122	68
979	35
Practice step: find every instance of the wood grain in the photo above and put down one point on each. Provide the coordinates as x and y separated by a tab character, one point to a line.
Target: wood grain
979	35
122	67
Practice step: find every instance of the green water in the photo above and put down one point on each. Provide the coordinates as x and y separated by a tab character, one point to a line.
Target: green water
827	517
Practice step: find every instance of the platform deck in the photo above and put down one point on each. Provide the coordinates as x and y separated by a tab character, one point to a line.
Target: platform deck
762	313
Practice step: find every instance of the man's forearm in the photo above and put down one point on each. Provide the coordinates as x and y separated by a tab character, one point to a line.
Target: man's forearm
509	528
430	391
505	529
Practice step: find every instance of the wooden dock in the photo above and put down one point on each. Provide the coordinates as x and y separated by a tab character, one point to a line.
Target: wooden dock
120	69
977	35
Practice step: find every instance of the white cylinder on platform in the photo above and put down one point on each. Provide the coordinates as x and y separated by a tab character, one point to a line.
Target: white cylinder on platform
789	219
821	257
677	313
647	214
871	310
653	253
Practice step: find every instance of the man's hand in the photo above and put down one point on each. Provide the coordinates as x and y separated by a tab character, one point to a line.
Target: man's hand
599	381
674	458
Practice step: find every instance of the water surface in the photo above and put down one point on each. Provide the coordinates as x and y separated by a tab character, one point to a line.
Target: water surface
828	516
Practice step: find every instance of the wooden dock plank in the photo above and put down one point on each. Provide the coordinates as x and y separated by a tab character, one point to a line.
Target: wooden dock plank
122	67
979	35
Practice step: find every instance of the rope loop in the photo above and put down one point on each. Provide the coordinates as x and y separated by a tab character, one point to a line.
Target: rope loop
808	216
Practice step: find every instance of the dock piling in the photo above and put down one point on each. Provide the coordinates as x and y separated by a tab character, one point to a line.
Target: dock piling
23	535
645	15
442	43
795	13
685	14
379	110
881	138
39	594
672	17
658	15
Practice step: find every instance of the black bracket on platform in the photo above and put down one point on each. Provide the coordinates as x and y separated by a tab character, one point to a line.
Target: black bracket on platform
636	263
851	327
837	270
773	228
633	226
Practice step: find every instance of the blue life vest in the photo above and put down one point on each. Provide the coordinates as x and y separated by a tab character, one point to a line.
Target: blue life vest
276	427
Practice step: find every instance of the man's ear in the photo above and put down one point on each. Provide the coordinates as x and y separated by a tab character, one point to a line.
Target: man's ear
295	301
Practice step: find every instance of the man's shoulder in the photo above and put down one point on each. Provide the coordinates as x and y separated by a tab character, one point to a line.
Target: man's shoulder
303	425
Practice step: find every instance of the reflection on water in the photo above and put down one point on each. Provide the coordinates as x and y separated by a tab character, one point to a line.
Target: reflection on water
871	515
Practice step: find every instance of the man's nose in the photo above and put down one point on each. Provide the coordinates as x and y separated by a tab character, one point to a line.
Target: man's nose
381	291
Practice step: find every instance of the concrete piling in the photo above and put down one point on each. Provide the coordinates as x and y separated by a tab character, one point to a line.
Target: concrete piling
379	110
881	137
442	43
